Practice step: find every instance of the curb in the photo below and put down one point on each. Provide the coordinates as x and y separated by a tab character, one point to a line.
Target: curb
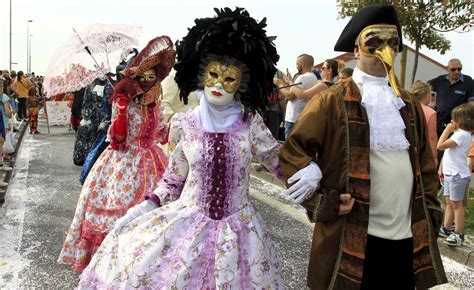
9	174
463	255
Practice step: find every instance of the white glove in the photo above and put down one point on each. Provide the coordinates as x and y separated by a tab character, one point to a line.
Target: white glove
85	122
134	212
309	178
102	126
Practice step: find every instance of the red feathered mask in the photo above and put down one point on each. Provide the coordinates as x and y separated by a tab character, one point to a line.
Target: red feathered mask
158	55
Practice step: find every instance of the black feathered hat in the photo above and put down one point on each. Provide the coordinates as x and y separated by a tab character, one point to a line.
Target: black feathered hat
369	15
234	34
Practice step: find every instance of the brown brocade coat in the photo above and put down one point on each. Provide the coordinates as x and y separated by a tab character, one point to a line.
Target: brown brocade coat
333	130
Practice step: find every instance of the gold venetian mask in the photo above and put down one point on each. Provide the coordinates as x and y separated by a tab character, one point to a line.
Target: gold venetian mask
148	82
147	79
381	41
229	76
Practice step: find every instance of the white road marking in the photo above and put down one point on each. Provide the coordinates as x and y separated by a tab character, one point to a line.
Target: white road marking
12	217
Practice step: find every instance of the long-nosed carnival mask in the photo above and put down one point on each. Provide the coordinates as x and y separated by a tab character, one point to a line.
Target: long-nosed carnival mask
381	41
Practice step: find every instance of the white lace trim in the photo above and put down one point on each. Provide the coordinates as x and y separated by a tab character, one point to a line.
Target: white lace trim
387	129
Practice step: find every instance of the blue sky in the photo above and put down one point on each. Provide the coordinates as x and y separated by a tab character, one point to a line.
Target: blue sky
300	26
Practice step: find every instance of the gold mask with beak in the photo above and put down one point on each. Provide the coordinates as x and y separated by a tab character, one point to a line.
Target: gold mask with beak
381	41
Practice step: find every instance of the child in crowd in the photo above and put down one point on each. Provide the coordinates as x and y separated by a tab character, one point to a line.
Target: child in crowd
3	167
470	158
470	165
345	73
455	170
422	92
7	115
32	105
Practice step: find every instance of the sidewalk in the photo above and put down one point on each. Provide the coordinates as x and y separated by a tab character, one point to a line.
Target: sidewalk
463	255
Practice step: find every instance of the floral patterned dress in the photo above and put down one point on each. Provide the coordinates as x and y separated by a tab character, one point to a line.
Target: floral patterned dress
207	234
118	180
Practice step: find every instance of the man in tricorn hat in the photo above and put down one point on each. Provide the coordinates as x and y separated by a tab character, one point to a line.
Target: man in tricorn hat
358	160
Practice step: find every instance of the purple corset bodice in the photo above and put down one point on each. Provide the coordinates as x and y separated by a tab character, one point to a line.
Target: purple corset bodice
209	171
216	197
219	175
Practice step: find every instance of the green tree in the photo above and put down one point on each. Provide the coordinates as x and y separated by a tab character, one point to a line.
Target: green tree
423	22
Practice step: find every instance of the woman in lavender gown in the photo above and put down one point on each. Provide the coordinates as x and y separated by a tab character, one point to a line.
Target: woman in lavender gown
198	230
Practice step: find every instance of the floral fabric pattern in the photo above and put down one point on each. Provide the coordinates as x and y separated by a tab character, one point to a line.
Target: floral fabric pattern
207	234
117	181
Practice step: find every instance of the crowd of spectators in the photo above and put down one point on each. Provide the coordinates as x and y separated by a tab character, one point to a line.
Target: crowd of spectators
20	93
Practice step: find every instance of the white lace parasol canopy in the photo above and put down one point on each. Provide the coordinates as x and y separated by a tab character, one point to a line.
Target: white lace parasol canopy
72	68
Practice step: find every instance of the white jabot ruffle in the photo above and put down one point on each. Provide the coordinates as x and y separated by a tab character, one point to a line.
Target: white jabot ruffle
387	129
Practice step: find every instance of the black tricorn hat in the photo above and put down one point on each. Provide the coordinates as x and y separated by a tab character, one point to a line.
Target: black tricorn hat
369	15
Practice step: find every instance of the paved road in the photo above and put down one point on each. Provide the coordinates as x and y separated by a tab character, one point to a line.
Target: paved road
39	206
41	201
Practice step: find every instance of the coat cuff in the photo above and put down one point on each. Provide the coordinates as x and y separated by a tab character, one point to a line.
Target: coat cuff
328	209
153	197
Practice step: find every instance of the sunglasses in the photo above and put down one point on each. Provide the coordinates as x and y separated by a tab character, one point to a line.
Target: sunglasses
455	69
433	94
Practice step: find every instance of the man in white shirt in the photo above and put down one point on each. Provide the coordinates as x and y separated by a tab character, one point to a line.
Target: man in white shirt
306	79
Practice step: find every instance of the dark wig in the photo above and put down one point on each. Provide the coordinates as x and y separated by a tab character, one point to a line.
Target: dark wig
236	35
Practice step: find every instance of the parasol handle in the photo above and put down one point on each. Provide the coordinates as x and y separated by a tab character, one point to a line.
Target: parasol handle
88	50
98	66
90	53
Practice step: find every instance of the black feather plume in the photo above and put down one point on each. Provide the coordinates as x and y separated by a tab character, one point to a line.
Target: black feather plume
235	34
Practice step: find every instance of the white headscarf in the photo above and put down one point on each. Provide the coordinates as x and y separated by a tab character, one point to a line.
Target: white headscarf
217	119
